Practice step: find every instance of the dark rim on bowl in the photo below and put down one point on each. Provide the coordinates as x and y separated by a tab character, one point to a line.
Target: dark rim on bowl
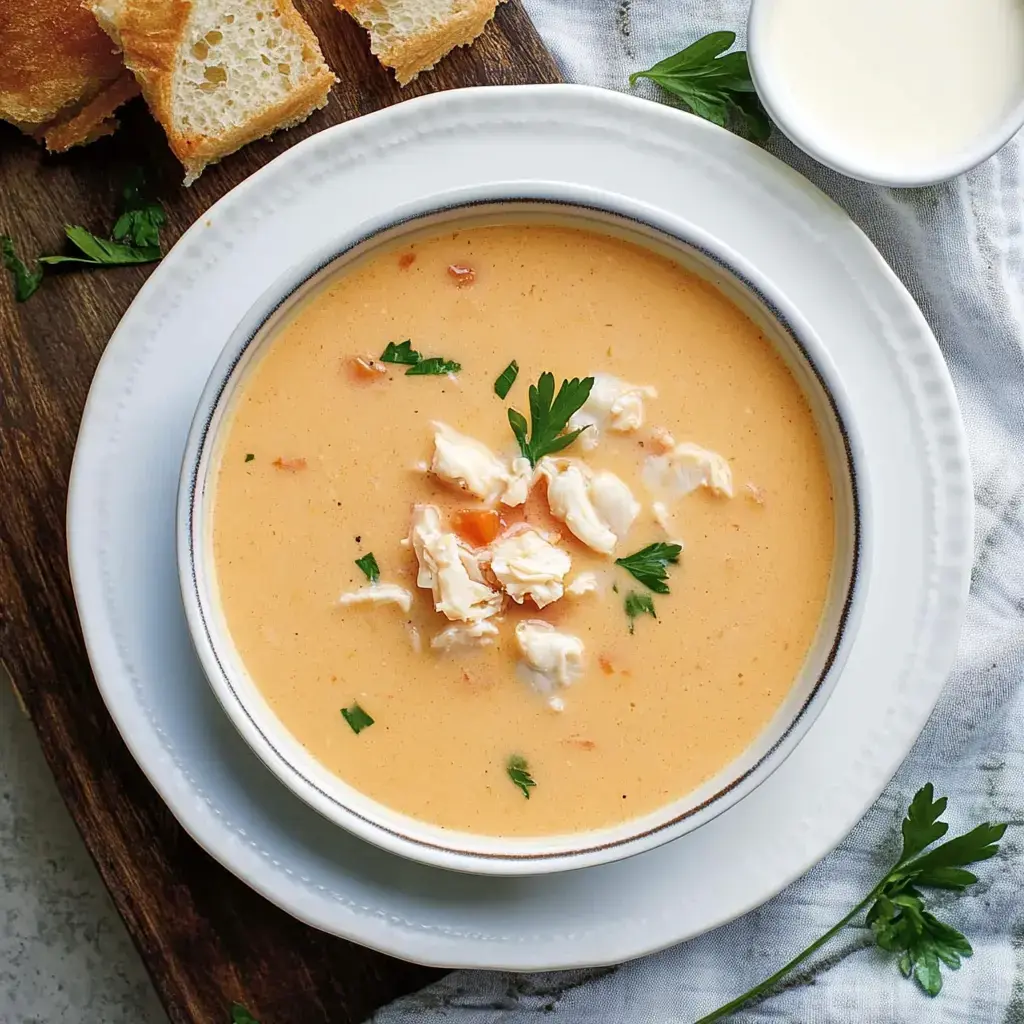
511	196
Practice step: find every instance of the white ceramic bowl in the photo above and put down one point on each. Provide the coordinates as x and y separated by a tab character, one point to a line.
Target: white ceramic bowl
330	795
790	118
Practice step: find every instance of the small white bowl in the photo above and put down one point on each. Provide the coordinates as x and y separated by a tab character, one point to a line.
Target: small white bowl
790	119
421	841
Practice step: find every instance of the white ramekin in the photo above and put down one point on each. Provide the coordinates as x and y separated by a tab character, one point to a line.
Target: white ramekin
789	118
398	833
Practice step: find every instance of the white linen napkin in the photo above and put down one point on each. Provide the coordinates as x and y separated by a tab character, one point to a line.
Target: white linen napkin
959	248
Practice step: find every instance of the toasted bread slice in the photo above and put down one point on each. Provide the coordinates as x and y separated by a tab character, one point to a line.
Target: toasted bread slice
95	119
54	61
218	74
413	35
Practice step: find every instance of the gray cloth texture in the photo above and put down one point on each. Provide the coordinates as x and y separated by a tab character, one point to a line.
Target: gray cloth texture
959	249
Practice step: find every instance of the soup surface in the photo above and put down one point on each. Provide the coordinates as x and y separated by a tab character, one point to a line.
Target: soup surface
325	460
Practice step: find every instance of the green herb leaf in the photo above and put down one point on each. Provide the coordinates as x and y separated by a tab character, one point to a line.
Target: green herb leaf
98	251
249	457
435	366
240	1015
402	353
141	219
507	377
519	773
549	415
714	84
357	718
369	566
636	605
26	281
896	911
649	565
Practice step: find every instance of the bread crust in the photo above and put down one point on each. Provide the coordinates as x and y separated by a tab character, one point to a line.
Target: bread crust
95	119
151	34
421	52
55	60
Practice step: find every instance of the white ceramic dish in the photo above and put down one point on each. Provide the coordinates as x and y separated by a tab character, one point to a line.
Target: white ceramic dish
124	480
790	118
286	756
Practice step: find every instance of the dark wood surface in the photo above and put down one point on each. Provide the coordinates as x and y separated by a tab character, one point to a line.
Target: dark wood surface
204	936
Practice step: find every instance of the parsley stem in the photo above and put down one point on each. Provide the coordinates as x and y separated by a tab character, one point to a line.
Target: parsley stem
771	981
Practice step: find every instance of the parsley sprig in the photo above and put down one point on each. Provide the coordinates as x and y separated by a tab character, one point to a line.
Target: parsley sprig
716	87
403	354
519	772
135	238
897	916
549	415
507	377
240	1015
650	565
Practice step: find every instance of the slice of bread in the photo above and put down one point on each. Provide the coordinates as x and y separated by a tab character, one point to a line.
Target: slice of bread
95	119
218	74
54	61
413	35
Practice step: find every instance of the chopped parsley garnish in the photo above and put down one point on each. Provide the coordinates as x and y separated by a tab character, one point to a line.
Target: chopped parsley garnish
96	251
649	565
141	219
403	354
638	604
507	377
435	366
240	1015
549	413
249	457
369	566
25	281
519	773
357	718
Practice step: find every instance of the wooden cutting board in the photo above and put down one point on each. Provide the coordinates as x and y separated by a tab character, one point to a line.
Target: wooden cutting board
206	938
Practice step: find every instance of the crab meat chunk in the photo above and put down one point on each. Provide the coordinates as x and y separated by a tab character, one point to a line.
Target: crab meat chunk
378	593
686	468
527	564
450	571
465	636
613	405
551	659
598	508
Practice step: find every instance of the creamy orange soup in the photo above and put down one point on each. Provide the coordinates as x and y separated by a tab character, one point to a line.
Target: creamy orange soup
323	460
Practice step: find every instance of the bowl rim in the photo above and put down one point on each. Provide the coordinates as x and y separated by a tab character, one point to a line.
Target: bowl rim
923	175
188	528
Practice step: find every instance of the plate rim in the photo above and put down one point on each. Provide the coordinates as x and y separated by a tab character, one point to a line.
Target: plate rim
958	507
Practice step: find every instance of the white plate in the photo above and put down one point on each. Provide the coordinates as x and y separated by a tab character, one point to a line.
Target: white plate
121	526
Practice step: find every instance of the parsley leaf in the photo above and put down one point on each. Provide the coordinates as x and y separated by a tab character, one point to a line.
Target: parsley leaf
636	605
403	354
141	219
519	773
897	916
26	281
369	566
98	251
249	457
435	366
357	718
240	1015
649	565
716	87
549	413
507	377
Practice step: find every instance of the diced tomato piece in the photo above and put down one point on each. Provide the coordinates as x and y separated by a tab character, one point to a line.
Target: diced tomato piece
461	274
289	465
478	526
366	370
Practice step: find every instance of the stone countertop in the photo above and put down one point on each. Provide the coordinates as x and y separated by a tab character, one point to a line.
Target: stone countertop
64	953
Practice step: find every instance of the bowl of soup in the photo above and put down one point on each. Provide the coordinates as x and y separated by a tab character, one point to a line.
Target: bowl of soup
522	531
